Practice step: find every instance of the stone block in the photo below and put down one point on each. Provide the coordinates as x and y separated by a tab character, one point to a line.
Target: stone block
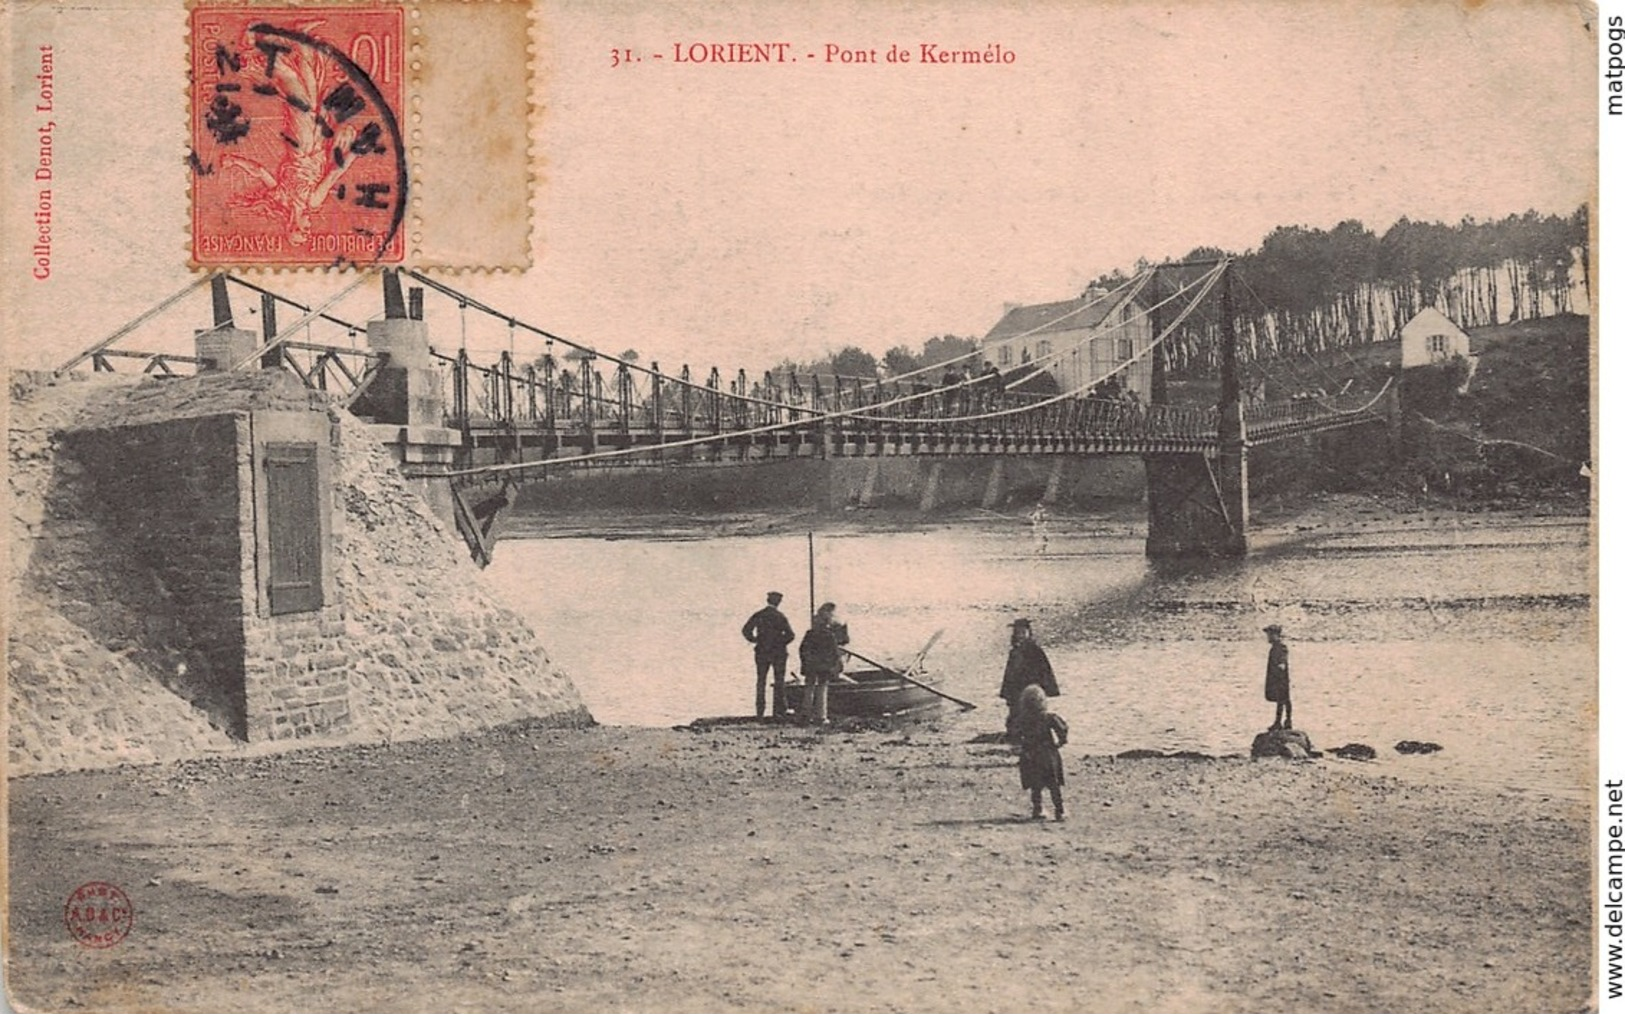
1289	743
328	659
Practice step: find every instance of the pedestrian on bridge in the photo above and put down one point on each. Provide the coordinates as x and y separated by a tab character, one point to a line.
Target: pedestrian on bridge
1026	666
951	381
770	632
992	382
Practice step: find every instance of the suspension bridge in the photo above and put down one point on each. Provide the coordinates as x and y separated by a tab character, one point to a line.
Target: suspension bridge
480	426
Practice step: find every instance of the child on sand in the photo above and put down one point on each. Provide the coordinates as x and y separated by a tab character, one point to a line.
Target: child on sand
1041	734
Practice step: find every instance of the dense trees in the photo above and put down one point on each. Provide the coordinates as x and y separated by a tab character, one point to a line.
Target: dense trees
852	361
1304	289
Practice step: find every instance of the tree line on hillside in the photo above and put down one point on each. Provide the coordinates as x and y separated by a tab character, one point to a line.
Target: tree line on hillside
1305	290
852	361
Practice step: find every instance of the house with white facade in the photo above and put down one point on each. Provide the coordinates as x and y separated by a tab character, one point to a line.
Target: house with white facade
1431	337
1077	341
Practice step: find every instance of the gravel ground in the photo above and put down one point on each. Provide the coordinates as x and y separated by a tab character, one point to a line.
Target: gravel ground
763	868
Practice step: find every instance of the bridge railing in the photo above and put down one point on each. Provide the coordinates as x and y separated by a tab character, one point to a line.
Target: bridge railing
156	363
578	397
333	368
1302	414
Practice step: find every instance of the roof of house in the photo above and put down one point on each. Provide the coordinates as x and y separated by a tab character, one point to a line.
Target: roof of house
1431	320
1068	315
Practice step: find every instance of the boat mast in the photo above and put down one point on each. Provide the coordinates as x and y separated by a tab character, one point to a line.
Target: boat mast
812	597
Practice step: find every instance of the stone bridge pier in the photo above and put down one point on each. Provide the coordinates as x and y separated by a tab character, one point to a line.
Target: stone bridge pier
1196	503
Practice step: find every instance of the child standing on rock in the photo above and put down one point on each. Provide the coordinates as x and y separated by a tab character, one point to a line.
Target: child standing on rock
1278	679
1041	734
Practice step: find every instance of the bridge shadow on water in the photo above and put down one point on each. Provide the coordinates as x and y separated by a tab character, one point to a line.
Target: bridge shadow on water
1185	596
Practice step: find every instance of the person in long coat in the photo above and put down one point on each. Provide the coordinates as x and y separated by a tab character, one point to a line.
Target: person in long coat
1041	734
1278	679
1027	665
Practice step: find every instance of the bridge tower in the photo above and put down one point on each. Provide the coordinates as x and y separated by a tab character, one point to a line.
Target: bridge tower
224	345
1197	502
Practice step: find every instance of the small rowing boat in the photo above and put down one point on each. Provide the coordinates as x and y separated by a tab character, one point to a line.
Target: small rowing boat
875	693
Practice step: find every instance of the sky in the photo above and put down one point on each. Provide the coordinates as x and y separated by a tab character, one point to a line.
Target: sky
738	215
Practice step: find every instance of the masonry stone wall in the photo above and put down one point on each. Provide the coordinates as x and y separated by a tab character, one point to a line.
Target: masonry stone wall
296	675
296	665
94	674
435	652
105	662
168	495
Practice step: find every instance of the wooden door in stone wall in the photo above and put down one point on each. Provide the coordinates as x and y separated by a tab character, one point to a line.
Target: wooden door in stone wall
293	504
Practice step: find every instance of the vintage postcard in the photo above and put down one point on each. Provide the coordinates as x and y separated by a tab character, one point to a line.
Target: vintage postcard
558	505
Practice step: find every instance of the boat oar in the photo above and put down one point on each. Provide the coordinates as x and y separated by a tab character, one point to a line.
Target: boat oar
919	657
967	705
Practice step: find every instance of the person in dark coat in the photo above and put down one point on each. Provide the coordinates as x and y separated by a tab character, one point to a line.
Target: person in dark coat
1278	679
820	663
770	632
992	382
1027	665
951	381
1041	734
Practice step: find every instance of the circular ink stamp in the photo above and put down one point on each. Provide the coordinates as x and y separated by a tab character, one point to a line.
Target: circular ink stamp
98	914
297	152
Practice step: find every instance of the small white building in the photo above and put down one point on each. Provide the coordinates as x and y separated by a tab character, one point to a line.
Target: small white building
1077	341
1431	337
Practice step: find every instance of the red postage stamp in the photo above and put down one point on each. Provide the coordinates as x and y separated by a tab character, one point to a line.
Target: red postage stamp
297	149
98	914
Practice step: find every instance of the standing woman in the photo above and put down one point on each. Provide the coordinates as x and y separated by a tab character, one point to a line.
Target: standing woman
1026	666
821	662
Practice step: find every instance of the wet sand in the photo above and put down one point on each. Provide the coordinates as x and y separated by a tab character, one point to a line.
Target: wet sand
752	868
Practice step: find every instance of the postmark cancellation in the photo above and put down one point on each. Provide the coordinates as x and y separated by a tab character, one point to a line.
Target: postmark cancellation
333	134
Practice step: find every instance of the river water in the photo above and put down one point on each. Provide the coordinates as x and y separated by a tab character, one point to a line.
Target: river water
1474	635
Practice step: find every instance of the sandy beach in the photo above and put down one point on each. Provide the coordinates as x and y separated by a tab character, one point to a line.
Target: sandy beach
757	868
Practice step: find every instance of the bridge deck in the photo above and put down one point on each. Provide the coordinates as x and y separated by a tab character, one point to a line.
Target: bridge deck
488	441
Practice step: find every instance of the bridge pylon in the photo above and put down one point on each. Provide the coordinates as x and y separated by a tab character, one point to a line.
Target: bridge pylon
225	344
1197	502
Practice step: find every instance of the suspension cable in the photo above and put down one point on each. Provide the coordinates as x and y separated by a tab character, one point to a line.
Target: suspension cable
1211	280
279	297
277	339
1314	361
133	323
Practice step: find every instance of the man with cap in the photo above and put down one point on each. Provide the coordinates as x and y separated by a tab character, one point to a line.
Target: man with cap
1026	666
1278	679
770	632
